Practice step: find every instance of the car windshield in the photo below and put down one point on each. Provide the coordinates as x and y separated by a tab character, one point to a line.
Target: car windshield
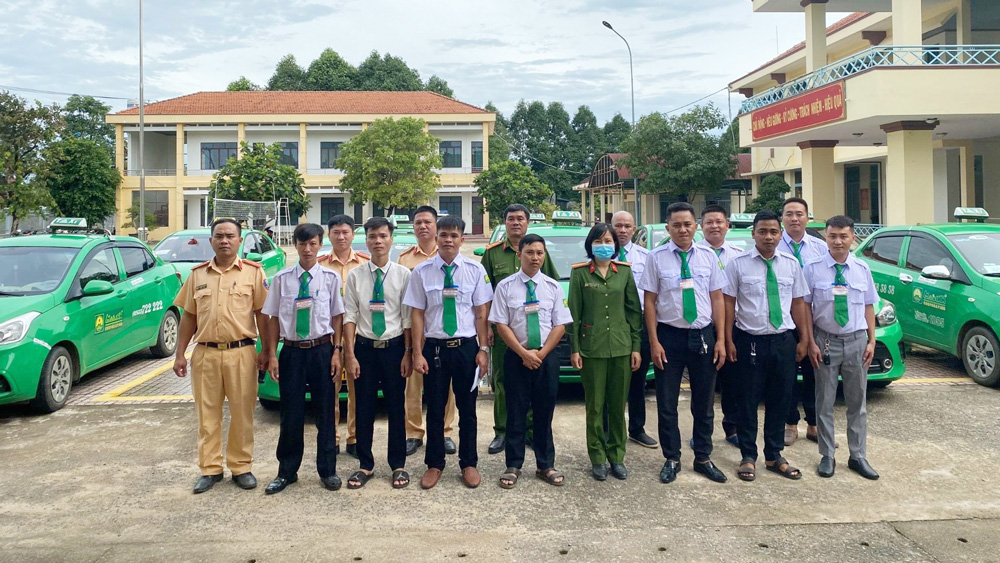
565	251
185	248
657	235
980	251
32	270
394	252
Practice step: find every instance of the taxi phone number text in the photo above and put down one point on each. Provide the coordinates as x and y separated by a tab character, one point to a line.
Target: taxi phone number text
148	308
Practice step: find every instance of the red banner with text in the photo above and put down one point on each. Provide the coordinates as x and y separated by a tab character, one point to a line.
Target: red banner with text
816	107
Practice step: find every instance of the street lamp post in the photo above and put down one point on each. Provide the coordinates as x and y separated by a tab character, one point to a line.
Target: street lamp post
631	75
142	139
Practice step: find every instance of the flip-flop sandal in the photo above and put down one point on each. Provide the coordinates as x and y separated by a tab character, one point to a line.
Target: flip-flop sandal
359	477
511	476
789	471
402	476
550	476
747	475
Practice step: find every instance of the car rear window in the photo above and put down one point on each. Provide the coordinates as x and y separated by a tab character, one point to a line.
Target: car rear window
884	249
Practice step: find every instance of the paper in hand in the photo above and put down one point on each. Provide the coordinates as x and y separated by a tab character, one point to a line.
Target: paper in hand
476	380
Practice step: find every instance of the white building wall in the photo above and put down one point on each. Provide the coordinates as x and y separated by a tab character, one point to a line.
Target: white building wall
159	152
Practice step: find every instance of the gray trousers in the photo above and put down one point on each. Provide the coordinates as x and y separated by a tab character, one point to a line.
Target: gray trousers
846	352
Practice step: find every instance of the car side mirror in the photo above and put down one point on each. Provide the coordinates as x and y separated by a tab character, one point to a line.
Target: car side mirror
254	256
97	287
479	251
936	272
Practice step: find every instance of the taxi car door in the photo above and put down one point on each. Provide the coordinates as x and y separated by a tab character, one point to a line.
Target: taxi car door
931	300
882	254
145	294
96	324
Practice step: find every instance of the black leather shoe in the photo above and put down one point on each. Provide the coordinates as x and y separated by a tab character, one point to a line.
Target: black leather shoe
826	466
861	467
412	445
332	482
278	485
449	446
336	450
245	481
670	470
643	439
498	444
708	469
600	472
619	471
352	450
205	482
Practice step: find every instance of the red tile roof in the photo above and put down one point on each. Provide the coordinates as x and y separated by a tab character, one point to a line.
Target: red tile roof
851	19
744	165
284	103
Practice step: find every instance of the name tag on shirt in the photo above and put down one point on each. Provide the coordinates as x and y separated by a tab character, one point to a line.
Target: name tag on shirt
687	283
531	307
450	292
839	290
376	306
303	303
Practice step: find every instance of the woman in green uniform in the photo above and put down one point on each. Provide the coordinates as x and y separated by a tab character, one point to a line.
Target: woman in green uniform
604	341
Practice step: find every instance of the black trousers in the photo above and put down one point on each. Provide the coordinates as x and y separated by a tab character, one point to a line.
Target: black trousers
455	368
637	392
766	366
803	392
303	370
530	390
727	384
691	349
380	368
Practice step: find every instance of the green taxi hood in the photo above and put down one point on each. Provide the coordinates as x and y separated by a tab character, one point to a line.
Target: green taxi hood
991	284
16	305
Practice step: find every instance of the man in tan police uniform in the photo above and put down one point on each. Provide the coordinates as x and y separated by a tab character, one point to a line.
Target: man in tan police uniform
342	260
220	299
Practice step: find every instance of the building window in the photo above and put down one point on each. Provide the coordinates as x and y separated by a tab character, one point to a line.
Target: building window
329	152
477	156
157	204
215	155
290	154
451	204
328	207
451	154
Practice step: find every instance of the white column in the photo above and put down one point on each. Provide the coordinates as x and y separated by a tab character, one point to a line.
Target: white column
940	200
815	11
907	23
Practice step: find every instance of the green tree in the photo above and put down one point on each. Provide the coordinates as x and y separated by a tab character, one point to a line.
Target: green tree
589	142
679	155
81	179
243	84
259	175
770	195
730	138
542	137
288	75
391	164
84	118
133	218
387	73
510	182
499	147
330	72
440	86
615	133
25	131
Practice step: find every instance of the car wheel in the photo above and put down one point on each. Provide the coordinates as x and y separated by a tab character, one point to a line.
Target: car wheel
270	405
979	354
166	342
58	373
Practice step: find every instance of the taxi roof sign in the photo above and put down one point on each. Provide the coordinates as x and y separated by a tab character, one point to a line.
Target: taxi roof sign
741	218
400	218
567	217
977	213
537	217
68	223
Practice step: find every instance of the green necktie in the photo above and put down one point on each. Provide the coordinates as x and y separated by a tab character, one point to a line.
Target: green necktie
450	316
621	254
687	293
797	250
718	255
534	328
773	297
302	315
840	312
378	296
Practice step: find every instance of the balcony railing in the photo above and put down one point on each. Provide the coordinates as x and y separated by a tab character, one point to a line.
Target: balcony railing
152	172
889	56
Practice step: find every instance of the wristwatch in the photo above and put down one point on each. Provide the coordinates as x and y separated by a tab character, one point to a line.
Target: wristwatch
484	349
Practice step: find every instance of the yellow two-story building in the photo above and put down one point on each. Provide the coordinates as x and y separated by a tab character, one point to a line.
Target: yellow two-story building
187	139
890	116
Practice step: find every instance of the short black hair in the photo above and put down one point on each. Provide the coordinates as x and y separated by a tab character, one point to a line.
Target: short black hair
596	232
714	209
340	219
221	220
765	215
514	208
794	200
451	222
530	238
840	222
678	207
377	223
425	209
308	231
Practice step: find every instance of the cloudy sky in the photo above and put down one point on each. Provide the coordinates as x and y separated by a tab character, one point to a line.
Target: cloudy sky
499	50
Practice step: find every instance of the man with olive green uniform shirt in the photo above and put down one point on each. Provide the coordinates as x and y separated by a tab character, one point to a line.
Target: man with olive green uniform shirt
500	260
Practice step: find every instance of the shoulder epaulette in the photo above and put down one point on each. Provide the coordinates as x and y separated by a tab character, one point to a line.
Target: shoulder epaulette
363	255
323	258
494	244
580	265
621	263
202	265
251	263
408	250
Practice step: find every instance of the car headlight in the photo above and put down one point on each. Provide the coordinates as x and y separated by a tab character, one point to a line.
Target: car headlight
14	330
887	315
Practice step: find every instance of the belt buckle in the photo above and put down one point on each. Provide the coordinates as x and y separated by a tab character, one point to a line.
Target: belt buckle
307	344
380	344
224	346
455	343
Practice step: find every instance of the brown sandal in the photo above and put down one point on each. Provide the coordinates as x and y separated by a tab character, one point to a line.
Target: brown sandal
745	475
788	471
509	478
550	475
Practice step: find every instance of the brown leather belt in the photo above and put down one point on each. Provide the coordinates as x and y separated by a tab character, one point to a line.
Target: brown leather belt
449	343
229	345
306	344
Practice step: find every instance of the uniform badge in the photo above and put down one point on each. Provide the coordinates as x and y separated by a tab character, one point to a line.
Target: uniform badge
201	286
266	285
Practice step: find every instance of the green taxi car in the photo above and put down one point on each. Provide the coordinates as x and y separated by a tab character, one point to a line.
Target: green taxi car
190	247
945	281
75	301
